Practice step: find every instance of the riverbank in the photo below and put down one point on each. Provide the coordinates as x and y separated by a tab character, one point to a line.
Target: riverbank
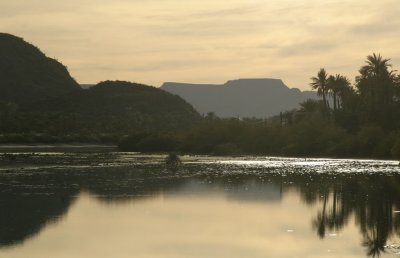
57	147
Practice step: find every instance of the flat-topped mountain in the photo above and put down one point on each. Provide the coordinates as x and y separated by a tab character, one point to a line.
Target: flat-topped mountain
28	75
244	97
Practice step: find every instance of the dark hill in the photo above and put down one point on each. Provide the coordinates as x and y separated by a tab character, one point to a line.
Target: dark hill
27	75
118	107
244	97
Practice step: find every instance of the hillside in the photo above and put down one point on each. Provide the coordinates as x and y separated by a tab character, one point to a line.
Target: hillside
27	75
244	97
116	107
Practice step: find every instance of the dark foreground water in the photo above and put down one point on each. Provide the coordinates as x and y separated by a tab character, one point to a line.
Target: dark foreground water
127	205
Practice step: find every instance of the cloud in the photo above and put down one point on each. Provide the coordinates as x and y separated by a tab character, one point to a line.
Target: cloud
387	24
206	41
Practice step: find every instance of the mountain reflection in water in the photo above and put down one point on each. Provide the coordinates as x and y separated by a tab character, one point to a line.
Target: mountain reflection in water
39	191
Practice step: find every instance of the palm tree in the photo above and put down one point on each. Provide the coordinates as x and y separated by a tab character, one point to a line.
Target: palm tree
333	88
319	83
376	81
376	86
338	86
346	92
376	66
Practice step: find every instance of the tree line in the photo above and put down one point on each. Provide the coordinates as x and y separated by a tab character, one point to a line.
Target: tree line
374	99
351	120
359	120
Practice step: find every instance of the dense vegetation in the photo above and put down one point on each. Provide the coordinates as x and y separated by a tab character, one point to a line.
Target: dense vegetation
103	113
27	75
359	121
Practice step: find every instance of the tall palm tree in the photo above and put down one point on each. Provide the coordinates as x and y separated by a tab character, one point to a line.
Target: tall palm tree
376	81
376	66
345	90
319	83
333	88
338	86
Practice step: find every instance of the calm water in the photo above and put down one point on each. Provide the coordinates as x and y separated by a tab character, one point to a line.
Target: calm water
128	205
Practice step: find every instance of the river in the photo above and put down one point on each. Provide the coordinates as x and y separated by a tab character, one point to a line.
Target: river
113	204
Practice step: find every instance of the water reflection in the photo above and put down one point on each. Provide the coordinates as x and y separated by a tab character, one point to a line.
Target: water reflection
32	199
373	199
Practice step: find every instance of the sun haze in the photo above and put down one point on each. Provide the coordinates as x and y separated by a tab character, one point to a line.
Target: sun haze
207	41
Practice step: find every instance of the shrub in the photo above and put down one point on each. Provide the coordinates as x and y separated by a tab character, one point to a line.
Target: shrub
396	149
226	149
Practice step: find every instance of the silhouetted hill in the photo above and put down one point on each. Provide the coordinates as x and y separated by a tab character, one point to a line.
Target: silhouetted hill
244	97
118	107
27	75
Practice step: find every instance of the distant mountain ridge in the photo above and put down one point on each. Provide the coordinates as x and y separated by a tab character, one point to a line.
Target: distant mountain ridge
259	98
27	75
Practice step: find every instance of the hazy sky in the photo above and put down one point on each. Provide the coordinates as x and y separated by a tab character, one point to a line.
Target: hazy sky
207	41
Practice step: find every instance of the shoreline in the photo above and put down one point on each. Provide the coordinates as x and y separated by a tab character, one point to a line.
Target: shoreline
57	147
92	147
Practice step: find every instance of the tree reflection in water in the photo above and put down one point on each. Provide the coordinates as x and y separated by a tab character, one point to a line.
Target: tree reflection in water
373	199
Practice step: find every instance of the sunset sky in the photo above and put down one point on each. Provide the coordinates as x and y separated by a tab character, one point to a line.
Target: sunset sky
207	41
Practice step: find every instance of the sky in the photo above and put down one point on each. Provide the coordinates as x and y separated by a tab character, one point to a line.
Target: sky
207	41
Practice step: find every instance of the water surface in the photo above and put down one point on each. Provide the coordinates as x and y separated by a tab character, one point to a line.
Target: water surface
57	204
